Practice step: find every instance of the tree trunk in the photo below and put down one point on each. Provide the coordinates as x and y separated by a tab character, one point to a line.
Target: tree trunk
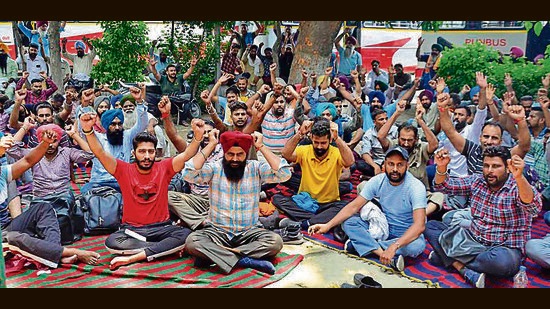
55	55
313	49
18	45
275	46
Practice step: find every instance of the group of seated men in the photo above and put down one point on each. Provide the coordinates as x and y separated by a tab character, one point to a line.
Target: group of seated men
468	176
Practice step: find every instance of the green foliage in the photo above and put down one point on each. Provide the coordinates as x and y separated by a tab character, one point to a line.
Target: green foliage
120	51
196	39
458	66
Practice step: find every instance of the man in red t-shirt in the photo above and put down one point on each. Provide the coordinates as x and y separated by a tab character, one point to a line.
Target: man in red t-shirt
146	231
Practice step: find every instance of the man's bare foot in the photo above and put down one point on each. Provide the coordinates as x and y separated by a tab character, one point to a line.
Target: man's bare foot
69	259
119	261
88	257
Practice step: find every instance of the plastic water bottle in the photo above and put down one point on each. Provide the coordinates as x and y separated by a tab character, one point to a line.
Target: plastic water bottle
520	279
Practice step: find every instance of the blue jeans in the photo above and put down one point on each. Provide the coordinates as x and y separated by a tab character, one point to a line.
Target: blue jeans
538	250
358	233
496	261
92	185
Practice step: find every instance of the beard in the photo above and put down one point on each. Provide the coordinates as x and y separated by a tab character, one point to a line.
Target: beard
459	126
32	56
495	181
347	52
141	163
374	107
278	112
116	137
233	174
130	119
319	152
427	106
395	177
80	54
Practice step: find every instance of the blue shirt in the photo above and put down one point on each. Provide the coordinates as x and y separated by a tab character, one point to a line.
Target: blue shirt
368	123
5	177
346	64
122	152
398	202
34	37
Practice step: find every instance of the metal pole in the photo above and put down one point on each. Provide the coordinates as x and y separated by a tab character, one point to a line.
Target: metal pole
218	63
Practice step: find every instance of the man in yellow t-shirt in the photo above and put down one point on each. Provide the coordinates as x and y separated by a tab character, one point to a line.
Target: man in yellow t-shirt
321	164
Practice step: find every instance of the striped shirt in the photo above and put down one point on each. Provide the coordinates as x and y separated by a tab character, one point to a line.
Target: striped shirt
278	130
31	97
499	217
372	146
535	158
234	206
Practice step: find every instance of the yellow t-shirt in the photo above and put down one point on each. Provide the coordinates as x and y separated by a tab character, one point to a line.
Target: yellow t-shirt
320	178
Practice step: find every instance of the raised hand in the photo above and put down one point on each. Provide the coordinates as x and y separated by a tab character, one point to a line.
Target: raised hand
490	93
305	128
391	69
328	71
516	166
354	74
304	73
197	125
273	67
49	136
88	97
25	75
87	121
465	89
481	80
265	89
313	76
213	136
420	111
258	139
136	93
440	85
516	112
420	41
164	105
194	61
442	158
400	107
225	77
432	83
544	101
6	142
507	102
29	123
507	80
443	100
20	95
333	131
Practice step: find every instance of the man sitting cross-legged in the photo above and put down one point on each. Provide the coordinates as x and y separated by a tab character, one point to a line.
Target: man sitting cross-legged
35	233
146	231
403	201
232	235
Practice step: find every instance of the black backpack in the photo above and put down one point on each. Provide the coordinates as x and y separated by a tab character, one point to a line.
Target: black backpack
101	210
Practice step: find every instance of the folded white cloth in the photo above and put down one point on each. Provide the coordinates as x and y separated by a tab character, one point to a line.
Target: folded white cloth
378	224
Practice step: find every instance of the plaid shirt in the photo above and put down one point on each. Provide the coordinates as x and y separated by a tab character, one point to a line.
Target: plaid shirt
499	218
32	98
234	206
230	63
537	160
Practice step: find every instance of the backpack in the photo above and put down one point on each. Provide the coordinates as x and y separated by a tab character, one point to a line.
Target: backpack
101	209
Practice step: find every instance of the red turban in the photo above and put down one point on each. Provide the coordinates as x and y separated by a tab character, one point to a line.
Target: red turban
46	127
235	138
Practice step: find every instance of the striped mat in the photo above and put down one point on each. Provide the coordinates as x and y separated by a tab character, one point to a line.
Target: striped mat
167	272
420	270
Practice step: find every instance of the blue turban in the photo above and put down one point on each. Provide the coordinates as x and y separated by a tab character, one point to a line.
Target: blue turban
116	98
474	91
108	116
79	44
377	94
321	107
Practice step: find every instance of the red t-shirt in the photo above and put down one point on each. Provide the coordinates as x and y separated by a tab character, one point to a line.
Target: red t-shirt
144	196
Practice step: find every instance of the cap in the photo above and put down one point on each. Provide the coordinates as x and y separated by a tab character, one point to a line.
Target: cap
398	149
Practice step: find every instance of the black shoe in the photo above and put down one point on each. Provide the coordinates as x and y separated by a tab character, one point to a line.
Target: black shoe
339	234
348	286
363	281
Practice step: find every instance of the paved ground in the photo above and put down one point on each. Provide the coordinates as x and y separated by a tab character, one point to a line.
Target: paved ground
325	268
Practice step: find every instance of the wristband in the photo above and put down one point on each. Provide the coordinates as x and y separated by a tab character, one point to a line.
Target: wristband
203	155
164	115
439	173
516	121
442	109
197	140
88	132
